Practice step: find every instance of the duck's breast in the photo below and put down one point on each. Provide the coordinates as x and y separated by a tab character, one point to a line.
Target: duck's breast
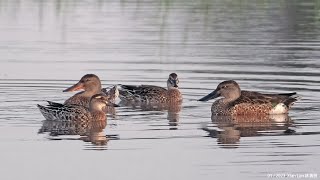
174	95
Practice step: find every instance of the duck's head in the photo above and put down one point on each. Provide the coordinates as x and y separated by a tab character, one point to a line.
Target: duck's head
88	82
173	81
228	89
99	101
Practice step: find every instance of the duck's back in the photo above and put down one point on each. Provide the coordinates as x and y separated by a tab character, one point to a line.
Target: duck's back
257	103
59	112
143	93
79	99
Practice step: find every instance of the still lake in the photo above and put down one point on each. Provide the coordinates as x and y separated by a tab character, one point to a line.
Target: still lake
266	46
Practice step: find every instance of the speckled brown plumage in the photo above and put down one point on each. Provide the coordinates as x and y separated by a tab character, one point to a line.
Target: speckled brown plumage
78	99
91	85
74	113
152	94
237	102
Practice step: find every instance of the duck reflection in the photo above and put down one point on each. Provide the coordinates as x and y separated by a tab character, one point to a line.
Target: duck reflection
235	127
90	131
173	115
173	110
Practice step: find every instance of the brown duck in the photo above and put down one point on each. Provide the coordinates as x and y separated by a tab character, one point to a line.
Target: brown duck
237	102
91	85
77	113
149	94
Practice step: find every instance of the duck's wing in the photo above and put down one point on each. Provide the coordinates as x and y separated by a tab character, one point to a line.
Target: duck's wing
274	99
60	112
78	99
142	92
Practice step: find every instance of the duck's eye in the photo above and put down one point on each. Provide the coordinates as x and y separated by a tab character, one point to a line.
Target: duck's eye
224	87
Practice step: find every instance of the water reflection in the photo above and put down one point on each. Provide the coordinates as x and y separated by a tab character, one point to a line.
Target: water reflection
172	109
91	131
232	128
268	46
174	115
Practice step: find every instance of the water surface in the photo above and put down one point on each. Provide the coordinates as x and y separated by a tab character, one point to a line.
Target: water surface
266	46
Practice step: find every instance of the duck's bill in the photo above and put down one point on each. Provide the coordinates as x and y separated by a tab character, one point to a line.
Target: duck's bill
175	83
212	95
76	87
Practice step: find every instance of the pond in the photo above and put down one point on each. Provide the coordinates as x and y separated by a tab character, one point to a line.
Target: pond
266	46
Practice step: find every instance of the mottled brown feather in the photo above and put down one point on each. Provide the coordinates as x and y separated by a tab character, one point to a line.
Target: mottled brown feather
149	94
237	102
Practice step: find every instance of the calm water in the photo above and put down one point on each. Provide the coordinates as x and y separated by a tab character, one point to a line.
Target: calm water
268	46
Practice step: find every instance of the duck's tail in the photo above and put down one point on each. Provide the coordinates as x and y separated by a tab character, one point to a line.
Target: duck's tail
127	92
50	111
44	111
54	104
292	98
113	93
288	94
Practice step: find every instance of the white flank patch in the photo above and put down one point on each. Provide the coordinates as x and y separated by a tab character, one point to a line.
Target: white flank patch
279	109
279	118
117	91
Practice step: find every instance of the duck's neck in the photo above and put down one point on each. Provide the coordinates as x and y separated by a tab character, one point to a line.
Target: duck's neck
173	89
97	107
98	115
97	111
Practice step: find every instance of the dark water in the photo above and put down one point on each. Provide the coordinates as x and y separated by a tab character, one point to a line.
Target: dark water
267	46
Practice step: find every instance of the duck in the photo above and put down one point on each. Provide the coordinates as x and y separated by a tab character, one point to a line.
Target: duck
150	94
76	113
91	85
235	101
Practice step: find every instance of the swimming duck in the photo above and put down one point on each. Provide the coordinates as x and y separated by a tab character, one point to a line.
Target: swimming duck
237	102
152	94
77	113
91	85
